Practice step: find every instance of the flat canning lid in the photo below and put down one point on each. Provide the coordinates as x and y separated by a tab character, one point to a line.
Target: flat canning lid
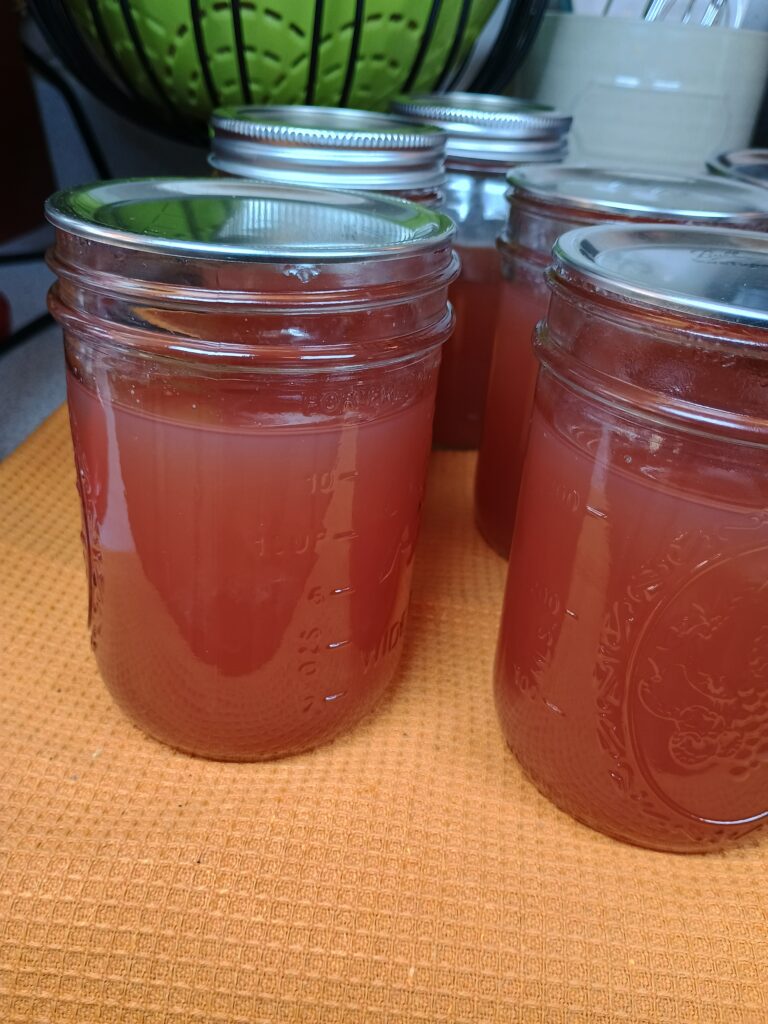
232	219
705	272
644	196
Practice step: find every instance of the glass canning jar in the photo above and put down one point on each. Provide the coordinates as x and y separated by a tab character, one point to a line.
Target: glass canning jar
632	665
329	147
251	372
543	203
487	135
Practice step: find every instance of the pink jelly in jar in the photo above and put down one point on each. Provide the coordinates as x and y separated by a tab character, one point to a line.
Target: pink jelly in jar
486	135
251	373
543	203
632	664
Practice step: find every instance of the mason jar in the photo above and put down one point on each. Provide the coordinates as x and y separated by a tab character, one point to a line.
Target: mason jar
329	147
251	373
632	665
486	136
544	202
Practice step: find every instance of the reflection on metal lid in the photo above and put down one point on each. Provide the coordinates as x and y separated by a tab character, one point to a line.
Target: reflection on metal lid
643	196
711	272
226	218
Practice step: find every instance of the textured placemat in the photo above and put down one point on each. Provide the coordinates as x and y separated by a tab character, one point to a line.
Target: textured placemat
408	872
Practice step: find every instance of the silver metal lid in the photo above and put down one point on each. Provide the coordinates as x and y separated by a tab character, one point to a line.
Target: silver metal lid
508	129
749	165
640	195
227	218
706	272
327	147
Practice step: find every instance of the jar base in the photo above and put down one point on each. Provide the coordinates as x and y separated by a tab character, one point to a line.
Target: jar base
706	846
255	757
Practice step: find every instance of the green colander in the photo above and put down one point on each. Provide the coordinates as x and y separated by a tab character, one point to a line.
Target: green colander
175	60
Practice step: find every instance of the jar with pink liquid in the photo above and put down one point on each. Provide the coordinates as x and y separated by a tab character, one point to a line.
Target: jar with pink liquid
632	664
544	202
251	375
486	136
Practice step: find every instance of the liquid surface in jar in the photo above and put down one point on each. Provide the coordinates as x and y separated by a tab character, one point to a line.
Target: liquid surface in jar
523	302
466	360
632	667
248	581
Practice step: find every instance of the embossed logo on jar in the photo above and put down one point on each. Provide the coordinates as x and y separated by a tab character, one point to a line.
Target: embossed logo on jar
698	680
402	386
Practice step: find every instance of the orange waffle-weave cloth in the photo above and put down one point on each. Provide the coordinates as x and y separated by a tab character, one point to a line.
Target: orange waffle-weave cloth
406	873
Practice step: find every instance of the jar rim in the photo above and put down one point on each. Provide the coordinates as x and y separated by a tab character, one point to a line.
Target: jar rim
499	116
749	165
485	128
327	147
246	220
705	272
336	127
635	195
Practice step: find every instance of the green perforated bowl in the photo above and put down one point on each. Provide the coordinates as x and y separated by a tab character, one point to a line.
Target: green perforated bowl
182	58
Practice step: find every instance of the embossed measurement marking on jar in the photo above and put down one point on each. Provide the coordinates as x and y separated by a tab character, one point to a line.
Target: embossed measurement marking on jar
596	512
547	597
388	643
568	496
325	482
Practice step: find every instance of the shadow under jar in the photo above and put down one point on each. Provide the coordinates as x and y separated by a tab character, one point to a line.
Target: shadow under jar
486	136
251	373
632	665
544	202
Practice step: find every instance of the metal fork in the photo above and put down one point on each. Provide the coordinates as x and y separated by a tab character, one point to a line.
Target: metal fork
656	9
713	12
